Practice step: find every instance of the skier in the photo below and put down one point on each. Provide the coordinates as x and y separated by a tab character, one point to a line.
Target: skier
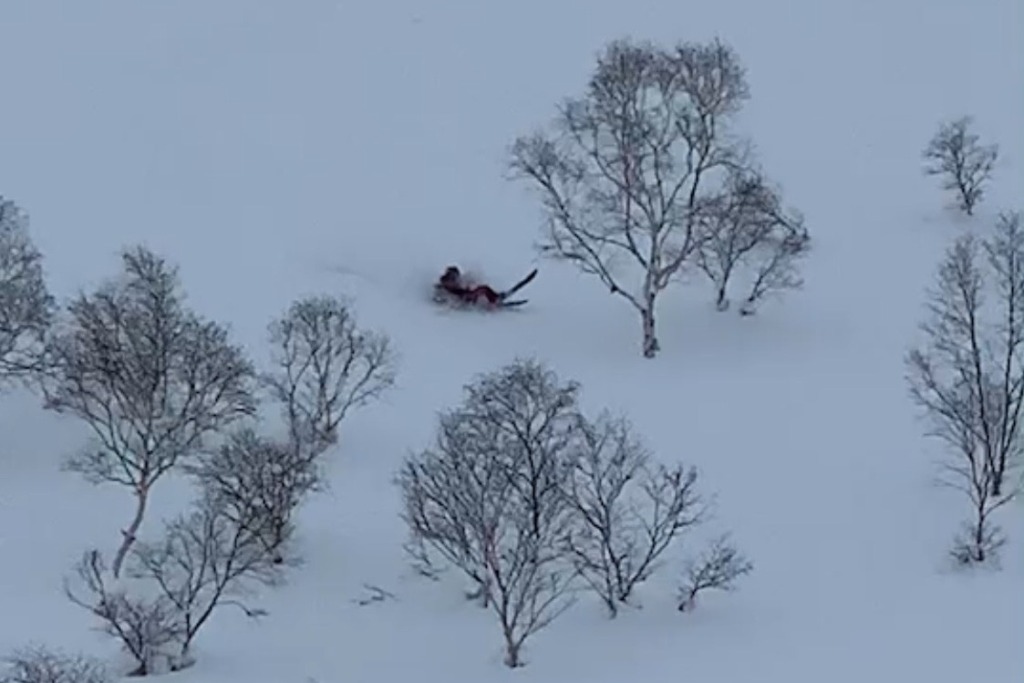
451	282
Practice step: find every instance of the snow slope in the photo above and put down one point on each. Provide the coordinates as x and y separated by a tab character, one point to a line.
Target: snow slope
276	149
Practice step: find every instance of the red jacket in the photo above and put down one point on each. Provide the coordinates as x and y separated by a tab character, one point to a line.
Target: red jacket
452	283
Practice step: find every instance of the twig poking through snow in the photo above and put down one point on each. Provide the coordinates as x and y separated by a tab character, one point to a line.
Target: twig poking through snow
376	594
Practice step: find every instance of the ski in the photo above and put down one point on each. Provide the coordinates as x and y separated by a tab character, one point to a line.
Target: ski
513	303
519	285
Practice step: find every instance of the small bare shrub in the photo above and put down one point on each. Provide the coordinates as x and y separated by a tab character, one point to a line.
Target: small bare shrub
147	626
38	664
746	227
172	588
204	561
718	568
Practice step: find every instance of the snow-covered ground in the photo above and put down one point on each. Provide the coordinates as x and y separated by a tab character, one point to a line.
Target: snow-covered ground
274	149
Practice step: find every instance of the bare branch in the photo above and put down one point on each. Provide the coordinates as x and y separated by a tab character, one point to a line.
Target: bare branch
956	154
374	594
326	366
150	379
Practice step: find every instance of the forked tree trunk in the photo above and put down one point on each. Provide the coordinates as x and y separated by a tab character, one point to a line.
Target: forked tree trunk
513	649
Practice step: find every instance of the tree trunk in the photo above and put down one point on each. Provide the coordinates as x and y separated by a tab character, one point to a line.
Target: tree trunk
979	541
650	293
612	604
980	527
185	658
513	660
129	534
997	476
651	346
722	302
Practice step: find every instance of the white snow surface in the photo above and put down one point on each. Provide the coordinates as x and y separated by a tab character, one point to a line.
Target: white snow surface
274	149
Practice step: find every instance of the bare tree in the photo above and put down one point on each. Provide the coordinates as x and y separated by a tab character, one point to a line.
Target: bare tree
629	511
956	154
968	377
205	561
717	568
148	627
530	582
149	377
326	366
1005	257
745	225
628	164
26	306
258	483
488	498
45	665
446	495
774	264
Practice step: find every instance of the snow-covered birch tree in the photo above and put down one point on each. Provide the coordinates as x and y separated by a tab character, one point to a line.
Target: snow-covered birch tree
149	377
625	166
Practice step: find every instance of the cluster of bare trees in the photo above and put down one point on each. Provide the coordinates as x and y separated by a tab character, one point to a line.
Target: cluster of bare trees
38	664
162	390
642	177
532	502
968	376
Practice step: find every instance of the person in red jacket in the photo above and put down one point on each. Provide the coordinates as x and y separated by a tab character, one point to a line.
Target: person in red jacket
452	283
